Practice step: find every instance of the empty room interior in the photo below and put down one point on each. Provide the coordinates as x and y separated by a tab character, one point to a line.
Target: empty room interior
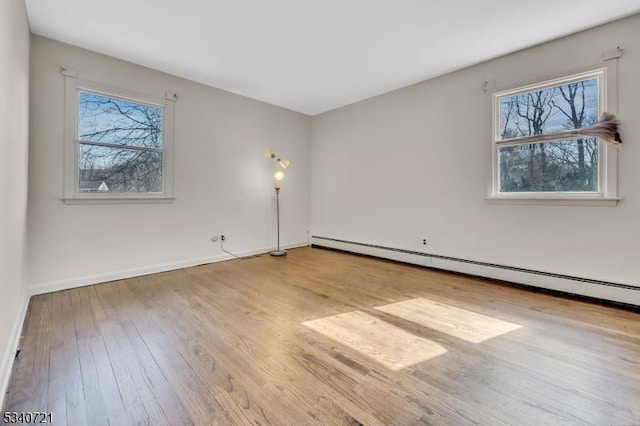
320	212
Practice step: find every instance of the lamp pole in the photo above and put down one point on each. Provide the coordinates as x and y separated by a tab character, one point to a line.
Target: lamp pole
277	176
278	252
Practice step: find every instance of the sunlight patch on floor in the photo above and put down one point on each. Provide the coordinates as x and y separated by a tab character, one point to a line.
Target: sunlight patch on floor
378	340
456	322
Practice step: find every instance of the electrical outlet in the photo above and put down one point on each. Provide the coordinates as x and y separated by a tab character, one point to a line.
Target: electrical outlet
217	238
424	241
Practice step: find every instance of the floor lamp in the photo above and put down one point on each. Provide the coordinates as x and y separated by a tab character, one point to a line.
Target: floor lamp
278	175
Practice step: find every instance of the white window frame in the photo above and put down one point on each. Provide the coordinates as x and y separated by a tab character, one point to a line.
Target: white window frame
72	194
607	193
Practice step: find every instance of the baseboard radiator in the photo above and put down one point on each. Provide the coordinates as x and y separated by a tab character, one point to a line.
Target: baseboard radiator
603	290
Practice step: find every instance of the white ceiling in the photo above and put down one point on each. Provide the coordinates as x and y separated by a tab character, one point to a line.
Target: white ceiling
314	55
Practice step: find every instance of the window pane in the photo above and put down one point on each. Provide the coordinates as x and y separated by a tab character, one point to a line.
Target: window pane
568	165
116	170
553	109
108	120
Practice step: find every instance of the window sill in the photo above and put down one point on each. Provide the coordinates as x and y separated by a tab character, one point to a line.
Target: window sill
118	200
553	201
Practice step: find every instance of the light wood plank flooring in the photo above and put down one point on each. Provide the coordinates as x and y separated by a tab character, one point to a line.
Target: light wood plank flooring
320	337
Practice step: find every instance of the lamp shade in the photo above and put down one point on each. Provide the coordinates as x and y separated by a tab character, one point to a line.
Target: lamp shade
278	175
283	163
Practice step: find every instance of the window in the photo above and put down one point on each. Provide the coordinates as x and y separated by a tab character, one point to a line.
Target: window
119	146
555	167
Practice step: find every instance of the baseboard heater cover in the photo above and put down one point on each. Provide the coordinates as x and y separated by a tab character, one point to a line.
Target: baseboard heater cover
598	289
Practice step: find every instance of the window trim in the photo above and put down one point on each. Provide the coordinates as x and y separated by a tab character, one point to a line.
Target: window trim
607	194
72	194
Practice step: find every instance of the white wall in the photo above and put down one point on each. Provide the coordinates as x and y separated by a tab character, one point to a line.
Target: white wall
412	163
14	109
222	182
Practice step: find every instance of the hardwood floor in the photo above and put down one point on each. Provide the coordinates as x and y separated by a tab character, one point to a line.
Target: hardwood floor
320	337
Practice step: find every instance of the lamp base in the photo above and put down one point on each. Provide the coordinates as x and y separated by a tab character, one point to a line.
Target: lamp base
278	253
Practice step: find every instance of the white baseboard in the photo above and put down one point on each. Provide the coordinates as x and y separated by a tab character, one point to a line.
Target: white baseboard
9	355
43	288
615	292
